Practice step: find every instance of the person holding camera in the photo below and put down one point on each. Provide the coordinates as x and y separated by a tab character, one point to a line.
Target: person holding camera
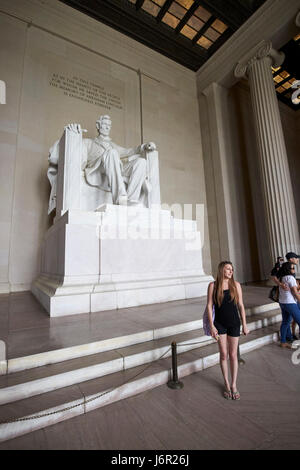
289	301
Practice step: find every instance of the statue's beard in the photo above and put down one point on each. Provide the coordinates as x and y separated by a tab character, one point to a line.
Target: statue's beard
104	136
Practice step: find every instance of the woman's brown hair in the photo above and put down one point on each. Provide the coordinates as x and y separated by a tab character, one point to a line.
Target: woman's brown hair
218	289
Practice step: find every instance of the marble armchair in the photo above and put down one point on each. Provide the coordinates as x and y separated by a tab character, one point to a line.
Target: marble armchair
69	187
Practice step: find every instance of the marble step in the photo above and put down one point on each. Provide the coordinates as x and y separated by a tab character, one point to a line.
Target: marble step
59	405
81	350
26	384
96	347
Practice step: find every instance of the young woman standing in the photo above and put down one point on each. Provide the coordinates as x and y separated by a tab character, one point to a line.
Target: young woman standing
226	296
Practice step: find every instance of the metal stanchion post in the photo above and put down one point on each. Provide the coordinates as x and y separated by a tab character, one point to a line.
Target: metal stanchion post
240	359
174	383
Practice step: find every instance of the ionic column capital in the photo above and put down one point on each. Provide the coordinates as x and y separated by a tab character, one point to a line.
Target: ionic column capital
298	20
262	50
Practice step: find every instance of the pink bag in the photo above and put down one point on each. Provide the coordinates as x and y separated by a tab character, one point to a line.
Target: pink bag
206	325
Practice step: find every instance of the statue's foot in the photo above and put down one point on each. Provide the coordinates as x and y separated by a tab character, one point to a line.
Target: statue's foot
123	200
134	203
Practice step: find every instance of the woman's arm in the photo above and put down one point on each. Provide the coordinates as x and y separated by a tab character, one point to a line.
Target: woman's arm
295	293
210	302
242	308
280	284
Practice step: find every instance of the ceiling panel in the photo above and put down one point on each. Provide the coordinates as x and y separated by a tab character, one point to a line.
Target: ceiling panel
187	31
286	76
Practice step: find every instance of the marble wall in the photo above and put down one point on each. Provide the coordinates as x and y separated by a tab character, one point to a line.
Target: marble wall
61	66
12	37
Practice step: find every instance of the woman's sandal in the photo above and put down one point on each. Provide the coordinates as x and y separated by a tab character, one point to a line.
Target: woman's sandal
235	395
227	394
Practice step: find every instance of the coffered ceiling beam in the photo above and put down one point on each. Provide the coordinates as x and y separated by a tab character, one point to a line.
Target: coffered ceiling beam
139	4
164	10
227	11
187	16
116	14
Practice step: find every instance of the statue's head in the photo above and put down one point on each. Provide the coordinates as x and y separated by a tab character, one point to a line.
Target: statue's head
103	125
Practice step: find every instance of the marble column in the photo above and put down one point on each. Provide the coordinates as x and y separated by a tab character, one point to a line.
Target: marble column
216	118
283	233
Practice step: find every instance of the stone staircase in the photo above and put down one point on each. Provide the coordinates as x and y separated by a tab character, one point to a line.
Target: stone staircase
43	389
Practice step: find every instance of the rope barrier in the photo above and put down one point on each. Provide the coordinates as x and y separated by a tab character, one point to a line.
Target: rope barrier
174	383
198	342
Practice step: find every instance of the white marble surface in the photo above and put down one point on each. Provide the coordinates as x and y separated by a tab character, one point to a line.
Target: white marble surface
2	92
60	355
176	329
131	388
190	368
3	361
103	301
47	384
83	174
81	350
82	250
211	360
119	257
119	359
259	342
68	178
59	35
3	367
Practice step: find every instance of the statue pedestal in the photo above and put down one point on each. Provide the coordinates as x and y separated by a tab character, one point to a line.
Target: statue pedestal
118	257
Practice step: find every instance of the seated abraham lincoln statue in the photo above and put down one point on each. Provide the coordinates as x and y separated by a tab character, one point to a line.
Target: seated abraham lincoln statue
130	176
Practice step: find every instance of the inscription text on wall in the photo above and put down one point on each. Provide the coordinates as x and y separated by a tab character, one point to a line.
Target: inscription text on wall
86	90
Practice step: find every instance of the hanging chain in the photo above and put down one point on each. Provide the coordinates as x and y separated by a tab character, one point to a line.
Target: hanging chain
14	420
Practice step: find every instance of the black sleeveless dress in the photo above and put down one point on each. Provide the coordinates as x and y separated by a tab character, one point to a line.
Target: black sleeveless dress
227	319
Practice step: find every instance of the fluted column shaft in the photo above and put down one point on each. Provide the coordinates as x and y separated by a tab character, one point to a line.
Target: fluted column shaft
282	224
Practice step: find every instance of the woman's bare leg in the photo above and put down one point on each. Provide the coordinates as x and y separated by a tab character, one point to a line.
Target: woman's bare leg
233	343
223	359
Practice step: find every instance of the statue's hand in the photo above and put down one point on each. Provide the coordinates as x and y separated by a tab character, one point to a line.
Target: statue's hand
149	147
74	128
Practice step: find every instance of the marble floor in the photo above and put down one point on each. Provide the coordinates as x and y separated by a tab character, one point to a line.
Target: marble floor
27	329
196	417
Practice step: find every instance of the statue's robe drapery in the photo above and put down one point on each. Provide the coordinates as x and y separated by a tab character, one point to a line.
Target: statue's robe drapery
104	169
